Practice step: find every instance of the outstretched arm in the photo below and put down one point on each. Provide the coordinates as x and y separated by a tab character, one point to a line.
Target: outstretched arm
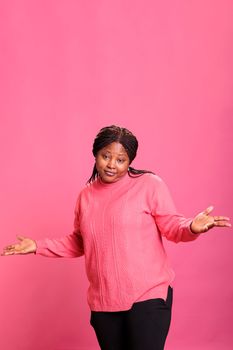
176	227
69	246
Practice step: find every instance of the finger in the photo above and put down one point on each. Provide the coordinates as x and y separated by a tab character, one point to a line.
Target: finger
221	218
222	223
11	248
8	248
21	238
13	252
8	253
208	210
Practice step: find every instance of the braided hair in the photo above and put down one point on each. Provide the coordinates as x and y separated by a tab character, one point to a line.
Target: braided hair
114	133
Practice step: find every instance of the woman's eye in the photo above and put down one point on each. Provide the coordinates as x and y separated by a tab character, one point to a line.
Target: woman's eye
120	160
105	156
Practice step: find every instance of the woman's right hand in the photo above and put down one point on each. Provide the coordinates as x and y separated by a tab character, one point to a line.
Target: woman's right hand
24	246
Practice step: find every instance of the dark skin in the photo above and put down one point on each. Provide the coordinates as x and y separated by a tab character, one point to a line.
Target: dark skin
112	164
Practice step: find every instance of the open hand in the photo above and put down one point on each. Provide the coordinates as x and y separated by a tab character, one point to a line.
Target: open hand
204	221
25	246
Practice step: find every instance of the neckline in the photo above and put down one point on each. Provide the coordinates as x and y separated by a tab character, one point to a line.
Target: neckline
124	180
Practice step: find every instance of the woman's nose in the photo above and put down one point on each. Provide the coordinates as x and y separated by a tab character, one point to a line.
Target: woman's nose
111	163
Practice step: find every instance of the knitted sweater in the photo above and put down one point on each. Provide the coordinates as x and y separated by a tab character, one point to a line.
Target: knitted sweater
118	227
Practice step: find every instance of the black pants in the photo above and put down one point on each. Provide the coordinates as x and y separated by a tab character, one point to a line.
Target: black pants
144	327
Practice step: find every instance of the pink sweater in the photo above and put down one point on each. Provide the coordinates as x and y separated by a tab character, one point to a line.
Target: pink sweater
118	227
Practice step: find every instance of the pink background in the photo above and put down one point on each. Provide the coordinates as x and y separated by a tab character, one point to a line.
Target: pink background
160	68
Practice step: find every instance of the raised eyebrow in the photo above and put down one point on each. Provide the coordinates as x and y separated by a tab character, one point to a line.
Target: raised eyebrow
119	154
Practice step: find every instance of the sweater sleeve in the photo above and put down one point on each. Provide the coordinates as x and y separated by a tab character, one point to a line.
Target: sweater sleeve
69	246
174	226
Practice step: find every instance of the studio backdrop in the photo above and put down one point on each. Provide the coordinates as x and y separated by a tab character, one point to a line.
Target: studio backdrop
162	69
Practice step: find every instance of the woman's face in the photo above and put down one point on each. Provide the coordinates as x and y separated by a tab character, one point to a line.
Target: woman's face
112	162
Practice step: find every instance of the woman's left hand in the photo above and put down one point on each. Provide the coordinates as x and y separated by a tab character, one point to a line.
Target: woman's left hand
204	221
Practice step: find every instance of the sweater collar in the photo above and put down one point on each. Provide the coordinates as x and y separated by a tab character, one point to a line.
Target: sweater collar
124	180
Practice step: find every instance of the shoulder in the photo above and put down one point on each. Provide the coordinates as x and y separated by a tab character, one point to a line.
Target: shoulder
151	179
147	184
83	195
85	191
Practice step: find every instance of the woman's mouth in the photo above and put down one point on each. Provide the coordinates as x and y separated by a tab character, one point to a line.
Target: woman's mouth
109	173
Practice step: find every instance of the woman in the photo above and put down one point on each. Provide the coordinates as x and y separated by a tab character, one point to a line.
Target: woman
120	217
